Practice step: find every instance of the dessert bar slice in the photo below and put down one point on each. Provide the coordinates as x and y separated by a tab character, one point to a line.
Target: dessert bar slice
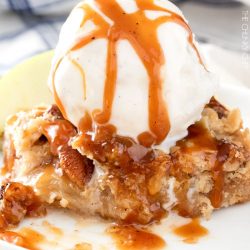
119	179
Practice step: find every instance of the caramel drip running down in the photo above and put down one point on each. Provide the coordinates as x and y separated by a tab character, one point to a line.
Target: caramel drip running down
58	133
216	195
55	94
141	32
80	69
200	141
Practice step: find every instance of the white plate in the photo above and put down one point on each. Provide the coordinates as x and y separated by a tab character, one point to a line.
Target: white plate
228	228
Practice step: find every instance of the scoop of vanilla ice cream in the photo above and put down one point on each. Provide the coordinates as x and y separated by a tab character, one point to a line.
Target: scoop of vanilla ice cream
187	85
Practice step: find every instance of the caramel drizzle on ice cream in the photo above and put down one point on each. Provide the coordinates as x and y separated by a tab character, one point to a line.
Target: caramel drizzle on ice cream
141	32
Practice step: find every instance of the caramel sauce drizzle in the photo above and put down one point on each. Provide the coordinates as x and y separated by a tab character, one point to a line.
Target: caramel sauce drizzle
26	238
58	132
53	229
80	69
8	159
128	237
141	32
200	140
191	232
108	147
216	195
55	94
